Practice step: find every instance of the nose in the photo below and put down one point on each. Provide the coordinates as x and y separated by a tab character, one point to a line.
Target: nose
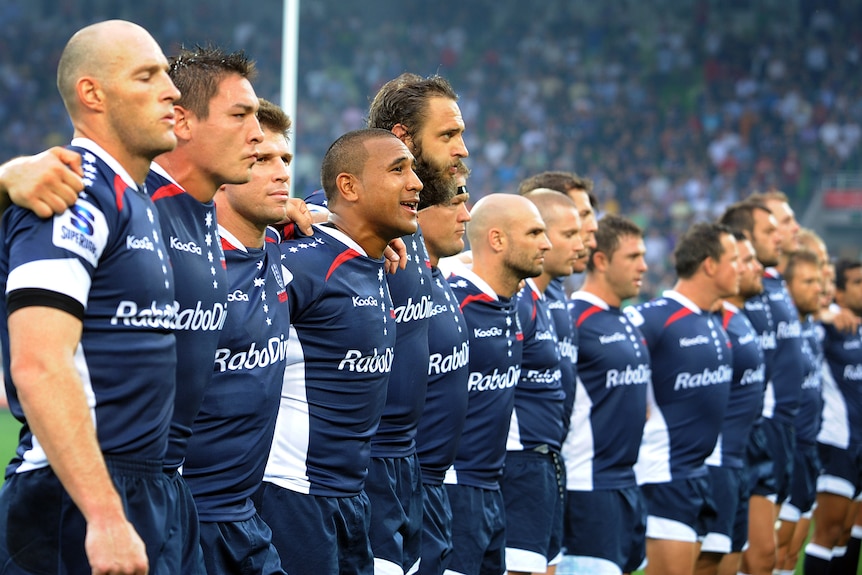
463	213
173	93
414	183
256	134
460	147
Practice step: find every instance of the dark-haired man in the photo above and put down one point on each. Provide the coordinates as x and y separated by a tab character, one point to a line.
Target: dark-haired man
339	357
691	375
233	429
605	519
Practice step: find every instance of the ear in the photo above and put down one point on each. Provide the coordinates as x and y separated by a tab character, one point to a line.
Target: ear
348	186
497	239
90	94
600	261
709	266
183	120
403	134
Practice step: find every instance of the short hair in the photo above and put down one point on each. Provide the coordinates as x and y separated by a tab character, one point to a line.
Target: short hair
559	181
197	73
701	241
808	238
549	203
768	195
842	266
404	100
611	229
740	216
273	118
347	154
802	256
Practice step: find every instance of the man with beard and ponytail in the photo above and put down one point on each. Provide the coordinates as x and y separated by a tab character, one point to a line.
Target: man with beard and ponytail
340	355
424	114
721	550
443	218
508	239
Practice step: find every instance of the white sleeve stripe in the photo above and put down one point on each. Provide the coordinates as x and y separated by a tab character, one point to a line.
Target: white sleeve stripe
65	276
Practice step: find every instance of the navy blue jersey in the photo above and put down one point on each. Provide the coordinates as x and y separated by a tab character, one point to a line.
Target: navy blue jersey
410	289
567	341
339	358
104	261
692	367
610	405
189	231
784	368
537	418
759	314
746	389
842	388
496	347
442	420
233	430
807	423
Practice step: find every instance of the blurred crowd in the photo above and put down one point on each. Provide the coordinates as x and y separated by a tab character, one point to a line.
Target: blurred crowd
675	108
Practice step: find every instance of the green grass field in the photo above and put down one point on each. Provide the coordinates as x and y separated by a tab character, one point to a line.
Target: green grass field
9	427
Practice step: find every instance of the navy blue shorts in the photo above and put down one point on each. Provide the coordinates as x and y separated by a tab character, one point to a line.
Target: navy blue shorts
841	470
240	547
478	530
42	531
436	531
607	525
315	534
680	509
758	461
775	441
803	487
394	489
189	537
727	531
531	494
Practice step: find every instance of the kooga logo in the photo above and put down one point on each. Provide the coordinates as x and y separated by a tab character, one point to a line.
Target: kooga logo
189	247
490	332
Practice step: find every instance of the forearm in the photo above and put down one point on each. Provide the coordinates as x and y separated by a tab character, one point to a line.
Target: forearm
55	405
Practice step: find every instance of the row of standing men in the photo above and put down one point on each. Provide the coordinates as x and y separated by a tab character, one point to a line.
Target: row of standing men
319	442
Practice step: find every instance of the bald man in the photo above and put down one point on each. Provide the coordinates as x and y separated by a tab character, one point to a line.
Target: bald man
508	239
90	355
532	483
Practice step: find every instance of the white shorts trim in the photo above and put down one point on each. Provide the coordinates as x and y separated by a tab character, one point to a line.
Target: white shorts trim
384	567
523	560
582	565
789	513
716	543
664	528
835	485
